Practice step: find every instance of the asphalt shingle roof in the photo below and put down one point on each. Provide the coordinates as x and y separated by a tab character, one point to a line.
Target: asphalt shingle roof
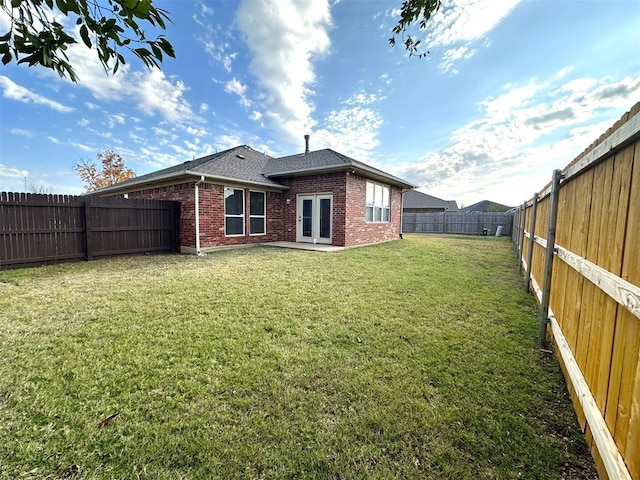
245	165
241	163
414	199
319	160
484	206
307	161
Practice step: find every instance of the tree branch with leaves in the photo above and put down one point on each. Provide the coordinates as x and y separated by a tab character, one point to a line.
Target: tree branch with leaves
37	38
112	171
412	12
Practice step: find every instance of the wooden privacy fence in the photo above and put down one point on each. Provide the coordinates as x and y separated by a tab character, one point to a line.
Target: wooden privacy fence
579	244
457	222
41	229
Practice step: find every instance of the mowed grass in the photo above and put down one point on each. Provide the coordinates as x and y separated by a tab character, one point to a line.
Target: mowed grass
412	359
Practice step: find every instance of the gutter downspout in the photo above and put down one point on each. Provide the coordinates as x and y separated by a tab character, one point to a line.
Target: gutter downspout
198	183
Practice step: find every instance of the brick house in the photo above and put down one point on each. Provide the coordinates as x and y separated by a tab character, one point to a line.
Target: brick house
241	196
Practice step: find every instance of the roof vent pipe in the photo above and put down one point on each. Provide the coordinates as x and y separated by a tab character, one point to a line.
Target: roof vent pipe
306	144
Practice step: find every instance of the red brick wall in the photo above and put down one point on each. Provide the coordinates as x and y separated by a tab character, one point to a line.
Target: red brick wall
361	232
334	183
211	199
349	225
211	212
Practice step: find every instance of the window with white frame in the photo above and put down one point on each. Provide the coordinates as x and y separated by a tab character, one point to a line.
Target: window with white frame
257	213
378	202
233	211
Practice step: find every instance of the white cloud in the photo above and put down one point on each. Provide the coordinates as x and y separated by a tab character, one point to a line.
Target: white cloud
452	55
82	146
563	72
5	22
157	94
196	132
12	172
236	87
206	9
284	37
213	39
463	21
521	137
23	133
219	53
363	98
151	89
100	133
456	26
228	141
113	120
203	108
19	93
53	140
353	129
255	115
616	94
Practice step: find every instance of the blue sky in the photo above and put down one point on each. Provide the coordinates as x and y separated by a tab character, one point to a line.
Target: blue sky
511	90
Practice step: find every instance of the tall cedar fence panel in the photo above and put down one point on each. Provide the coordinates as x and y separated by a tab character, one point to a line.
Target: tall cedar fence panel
595	288
456	222
43	229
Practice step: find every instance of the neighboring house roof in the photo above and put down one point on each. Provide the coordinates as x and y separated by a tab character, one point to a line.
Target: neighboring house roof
415	199
242	164
483	206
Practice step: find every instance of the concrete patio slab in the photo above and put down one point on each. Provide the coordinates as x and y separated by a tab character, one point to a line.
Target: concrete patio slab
316	247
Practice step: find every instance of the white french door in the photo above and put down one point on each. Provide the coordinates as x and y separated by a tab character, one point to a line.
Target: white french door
314	214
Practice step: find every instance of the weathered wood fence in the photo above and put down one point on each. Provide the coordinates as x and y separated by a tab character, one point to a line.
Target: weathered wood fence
42	229
579	243
457	222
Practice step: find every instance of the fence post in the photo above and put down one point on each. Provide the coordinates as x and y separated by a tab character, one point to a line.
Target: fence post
88	235
516	242
532	232
523	215
548	257
514	230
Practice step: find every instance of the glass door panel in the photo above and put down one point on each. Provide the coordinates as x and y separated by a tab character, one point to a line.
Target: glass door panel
307	217
325	218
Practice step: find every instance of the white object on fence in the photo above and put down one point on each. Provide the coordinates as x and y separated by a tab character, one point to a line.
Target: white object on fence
499	230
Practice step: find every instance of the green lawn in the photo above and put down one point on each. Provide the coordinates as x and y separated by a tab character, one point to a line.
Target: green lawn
412	359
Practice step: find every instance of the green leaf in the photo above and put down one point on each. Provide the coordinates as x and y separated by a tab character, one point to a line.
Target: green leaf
141	52
129	4
62	6
156	51
6	58
6	37
15	3
166	47
84	34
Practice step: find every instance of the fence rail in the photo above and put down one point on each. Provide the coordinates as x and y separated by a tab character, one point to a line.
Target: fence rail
584	268
41	229
456	222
